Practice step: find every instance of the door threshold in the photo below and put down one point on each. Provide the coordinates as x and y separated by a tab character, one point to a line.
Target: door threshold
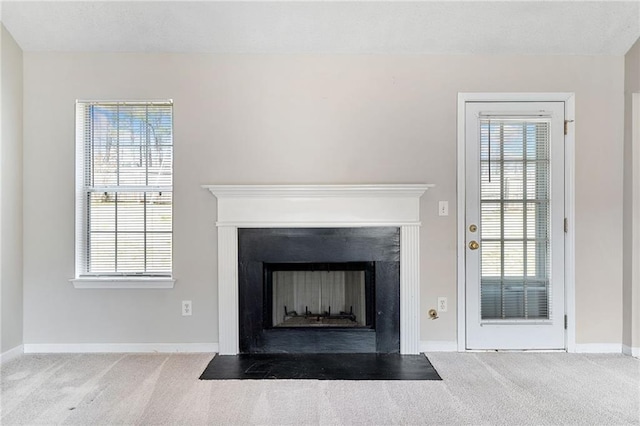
518	350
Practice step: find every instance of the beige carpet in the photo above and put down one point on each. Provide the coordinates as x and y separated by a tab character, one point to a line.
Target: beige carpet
477	388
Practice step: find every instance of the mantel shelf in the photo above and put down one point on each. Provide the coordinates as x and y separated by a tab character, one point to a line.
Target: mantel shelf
323	191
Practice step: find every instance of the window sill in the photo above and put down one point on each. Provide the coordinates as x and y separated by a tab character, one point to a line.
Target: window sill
123	283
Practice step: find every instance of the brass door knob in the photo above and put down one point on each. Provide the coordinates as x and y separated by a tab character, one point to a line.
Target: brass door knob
473	245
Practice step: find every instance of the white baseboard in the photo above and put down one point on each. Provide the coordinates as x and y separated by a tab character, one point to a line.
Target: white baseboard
598	348
585	348
11	354
36	348
439	346
628	350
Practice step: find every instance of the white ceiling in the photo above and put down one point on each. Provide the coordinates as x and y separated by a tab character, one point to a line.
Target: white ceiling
420	27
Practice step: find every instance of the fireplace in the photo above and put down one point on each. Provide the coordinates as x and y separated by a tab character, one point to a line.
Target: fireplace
312	294
319	290
251	209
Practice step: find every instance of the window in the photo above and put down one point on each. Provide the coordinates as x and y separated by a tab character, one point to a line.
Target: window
124	189
515	218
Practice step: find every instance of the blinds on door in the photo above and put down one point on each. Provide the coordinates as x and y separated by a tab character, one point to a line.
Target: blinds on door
514	218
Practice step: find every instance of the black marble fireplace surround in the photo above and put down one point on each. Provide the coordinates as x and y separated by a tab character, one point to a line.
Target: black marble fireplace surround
260	248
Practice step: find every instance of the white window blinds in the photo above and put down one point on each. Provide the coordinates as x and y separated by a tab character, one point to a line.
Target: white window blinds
125	174
515	221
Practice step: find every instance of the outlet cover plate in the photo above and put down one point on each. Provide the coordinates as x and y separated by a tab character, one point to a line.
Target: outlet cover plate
442	304
443	208
187	308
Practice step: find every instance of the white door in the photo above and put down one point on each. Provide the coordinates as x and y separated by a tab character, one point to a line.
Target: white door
514	154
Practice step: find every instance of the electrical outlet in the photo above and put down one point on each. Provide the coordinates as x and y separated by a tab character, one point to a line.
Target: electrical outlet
442	304
443	208
187	308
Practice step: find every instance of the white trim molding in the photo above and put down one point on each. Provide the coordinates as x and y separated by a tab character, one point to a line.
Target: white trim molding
635	228
11	354
598	348
306	206
409	289
317	191
40	348
269	206
569	110
228	316
628	350
123	283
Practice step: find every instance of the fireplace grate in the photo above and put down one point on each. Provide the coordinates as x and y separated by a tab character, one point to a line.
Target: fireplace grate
324	319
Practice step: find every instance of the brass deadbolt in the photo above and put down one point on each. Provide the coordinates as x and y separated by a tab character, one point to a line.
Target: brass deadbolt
473	228
433	314
473	245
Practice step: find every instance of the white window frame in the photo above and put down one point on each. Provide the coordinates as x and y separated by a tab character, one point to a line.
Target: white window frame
81	280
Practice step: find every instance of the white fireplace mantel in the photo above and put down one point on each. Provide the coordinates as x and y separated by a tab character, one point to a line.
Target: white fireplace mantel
313	206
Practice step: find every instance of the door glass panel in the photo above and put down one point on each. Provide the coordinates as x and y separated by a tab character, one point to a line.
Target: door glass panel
514	219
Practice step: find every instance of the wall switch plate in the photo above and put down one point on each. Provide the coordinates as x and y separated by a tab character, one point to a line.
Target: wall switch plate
442	304
187	308
443	208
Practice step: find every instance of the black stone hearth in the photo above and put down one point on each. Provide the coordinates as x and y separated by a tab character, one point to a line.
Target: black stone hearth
377	248
320	367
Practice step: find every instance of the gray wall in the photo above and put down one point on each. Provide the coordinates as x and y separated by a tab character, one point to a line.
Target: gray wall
10	193
301	119
631	287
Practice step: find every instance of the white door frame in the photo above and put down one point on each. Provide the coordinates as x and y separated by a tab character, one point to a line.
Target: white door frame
569	111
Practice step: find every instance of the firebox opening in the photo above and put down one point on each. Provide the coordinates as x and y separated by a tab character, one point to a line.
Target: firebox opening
325	295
